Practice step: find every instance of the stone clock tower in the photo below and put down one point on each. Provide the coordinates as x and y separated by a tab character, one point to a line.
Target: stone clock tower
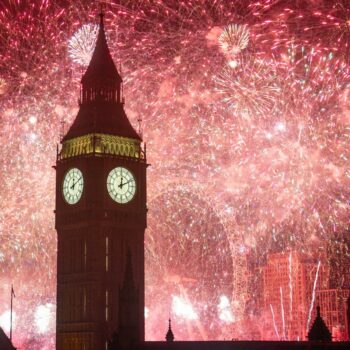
100	216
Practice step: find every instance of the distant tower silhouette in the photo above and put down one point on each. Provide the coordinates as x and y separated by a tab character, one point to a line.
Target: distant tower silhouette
319	331
128	306
100	216
169	335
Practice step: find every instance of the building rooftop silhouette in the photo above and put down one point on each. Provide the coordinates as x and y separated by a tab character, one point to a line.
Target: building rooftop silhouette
5	342
319	331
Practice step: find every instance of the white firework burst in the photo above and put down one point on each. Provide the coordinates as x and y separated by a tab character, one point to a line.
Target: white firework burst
81	45
234	39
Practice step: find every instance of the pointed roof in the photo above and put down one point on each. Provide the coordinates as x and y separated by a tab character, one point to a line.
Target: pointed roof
105	118
170	335
319	330
101	66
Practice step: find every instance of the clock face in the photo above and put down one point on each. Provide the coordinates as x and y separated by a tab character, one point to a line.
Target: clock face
121	185
73	185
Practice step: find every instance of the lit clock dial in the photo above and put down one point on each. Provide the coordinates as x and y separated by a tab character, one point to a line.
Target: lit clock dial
121	185
73	185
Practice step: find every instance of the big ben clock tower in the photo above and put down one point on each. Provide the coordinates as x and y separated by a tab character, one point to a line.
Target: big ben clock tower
100	216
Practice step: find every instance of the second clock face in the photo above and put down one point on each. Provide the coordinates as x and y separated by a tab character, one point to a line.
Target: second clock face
73	184
121	185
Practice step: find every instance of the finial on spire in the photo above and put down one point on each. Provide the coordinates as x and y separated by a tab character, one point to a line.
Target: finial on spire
63	127
170	335
318	311
101	14
139	120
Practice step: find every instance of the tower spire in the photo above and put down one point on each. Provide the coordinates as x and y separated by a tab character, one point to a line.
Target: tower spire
101	14
101	100
319	330
170	335
101	81
100	143
129	302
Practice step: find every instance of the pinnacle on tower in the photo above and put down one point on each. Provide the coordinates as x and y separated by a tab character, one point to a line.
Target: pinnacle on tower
170	335
101	101
319	330
101	68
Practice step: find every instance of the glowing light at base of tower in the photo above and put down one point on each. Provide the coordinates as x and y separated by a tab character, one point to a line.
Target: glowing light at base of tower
183	308
225	310
44	318
5	320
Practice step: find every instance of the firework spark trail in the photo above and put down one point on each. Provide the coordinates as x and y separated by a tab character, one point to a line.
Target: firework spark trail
282	314
274	322
253	96
313	295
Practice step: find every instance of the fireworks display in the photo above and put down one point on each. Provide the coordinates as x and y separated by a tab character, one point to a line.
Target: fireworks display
234	38
82	44
245	110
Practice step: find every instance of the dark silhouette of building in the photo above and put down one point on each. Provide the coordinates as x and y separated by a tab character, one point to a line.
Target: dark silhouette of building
169	335
319	331
100	222
289	308
5	342
333	306
243	345
100	216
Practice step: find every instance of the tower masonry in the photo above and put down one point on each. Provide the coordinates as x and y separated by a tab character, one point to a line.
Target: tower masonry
100	216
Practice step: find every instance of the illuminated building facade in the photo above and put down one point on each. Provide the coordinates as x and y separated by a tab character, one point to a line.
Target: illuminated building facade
100	216
290	280
333	305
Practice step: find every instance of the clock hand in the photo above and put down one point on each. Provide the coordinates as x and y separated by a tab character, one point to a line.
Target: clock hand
121	183
128	182
74	183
